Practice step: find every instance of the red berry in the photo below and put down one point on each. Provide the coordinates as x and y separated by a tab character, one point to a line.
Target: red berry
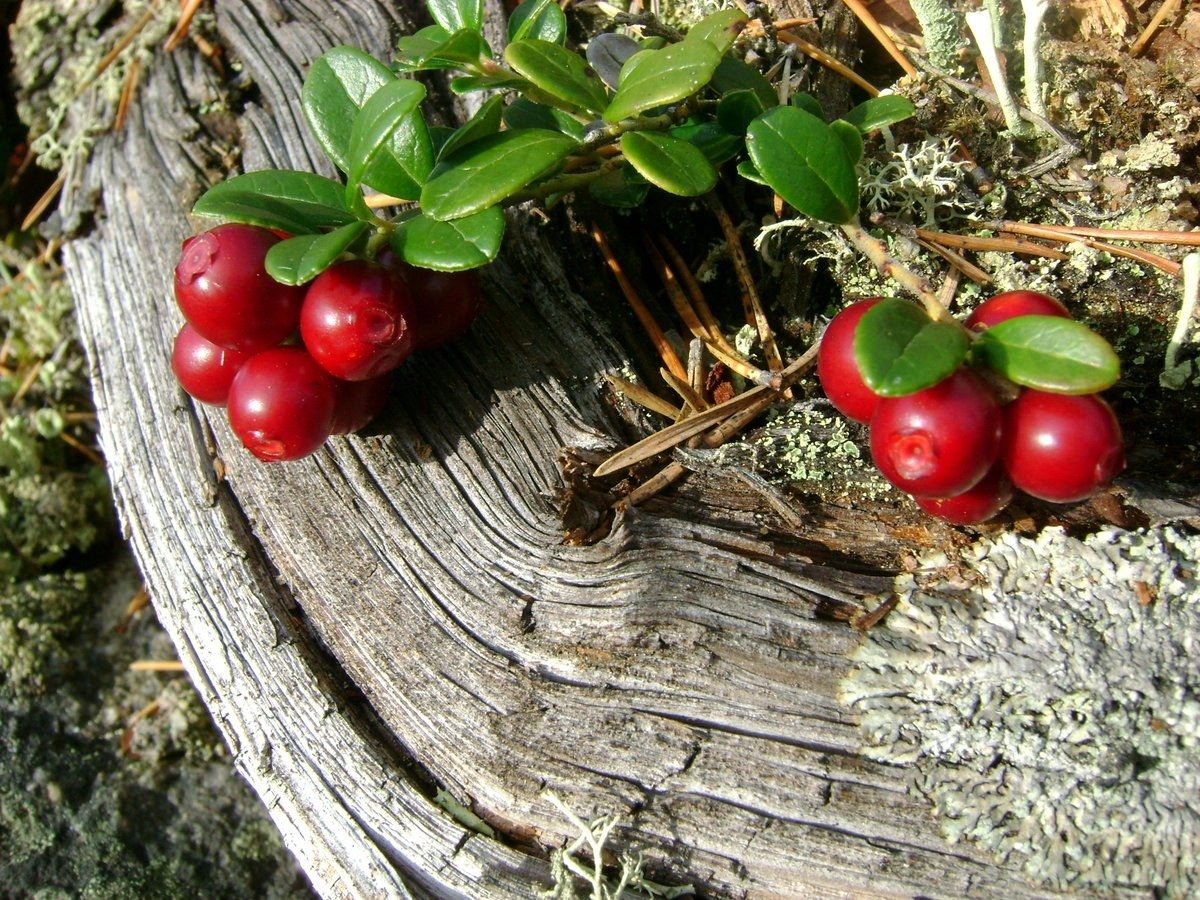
226	293
1061	447
357	320
837	369
281	404
1011	304
204	370
976	504
358	402
444	304
940	441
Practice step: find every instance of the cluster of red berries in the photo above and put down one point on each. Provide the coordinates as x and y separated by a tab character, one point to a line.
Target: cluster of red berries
955	447
357	322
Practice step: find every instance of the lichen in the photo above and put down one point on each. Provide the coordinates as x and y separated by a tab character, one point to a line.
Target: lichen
1046	693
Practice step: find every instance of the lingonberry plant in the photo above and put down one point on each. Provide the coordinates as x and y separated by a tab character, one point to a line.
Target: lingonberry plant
617	120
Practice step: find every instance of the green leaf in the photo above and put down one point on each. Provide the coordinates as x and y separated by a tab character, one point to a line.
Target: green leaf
850	137
340	81
485	121
374	132
558	72
879	112
450	246
541	19
674	165
735	75
1050	353
738	109
607	53
524	113
455	14
299	260
658	77
297	202
809	104
900	350
411	48
805	162
462	48
438	135
466	84
746	169
720	29
622	188
717	144
489	170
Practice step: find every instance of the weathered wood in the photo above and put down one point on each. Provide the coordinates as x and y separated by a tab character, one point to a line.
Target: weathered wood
401	609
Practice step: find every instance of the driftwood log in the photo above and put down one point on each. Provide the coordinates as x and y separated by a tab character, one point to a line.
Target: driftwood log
401	613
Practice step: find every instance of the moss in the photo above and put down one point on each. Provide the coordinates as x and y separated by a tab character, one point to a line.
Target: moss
1046	692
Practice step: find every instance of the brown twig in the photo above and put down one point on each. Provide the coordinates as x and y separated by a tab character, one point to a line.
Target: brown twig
665	351
1169	266
828	61
1004	245
643	397
743	368
699	303
186	14
127	91
755	314
82	448
43	202
958	262
156	665
27	382
117	49
865	16
676	294
1168	9
1179	238
890	267
683	388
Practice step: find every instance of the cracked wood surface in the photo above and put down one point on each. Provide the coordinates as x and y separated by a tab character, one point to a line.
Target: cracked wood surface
401	610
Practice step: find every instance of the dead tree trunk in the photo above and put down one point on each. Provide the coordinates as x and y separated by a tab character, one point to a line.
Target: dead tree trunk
400	612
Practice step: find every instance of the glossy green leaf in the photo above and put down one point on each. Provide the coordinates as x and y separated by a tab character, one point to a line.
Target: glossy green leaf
735	75
879	112
658	77
720	28
738	109
373	134
466	84
746	169
607	53
489	170
900	350
541	19
458	49
485	121
412	48
805	162
450	246
455	14
850	137
524	113
671	164
297	202
622	188
809	104
1050	353
300	259
717	144
558	72
438	135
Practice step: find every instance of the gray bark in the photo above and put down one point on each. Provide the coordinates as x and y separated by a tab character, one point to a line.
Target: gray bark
401	610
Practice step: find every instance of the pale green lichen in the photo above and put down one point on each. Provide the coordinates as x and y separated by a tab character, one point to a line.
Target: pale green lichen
925	180
1046	693
940	28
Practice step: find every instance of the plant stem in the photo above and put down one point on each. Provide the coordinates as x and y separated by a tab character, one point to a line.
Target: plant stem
982	26
890	267
563	184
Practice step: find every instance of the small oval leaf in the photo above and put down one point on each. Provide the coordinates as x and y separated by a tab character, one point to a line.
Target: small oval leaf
541	19
1050	353
455	14
738	109
375	128
809	104
339	82
717	144
673	165
297	202
524	113
300	259
735	75
465	243
805	162
900	350
485	121
850	137
658	77
879	112
489	170
720	28
608	52
557	72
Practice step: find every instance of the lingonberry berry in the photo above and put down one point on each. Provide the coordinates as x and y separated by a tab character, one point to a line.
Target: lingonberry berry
357	320
204	369
444	304
1061	447
837	368
226	293
976	504
1011	304
281	404
358	402
939	441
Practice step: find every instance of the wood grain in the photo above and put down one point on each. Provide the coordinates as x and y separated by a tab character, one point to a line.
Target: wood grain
401	610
